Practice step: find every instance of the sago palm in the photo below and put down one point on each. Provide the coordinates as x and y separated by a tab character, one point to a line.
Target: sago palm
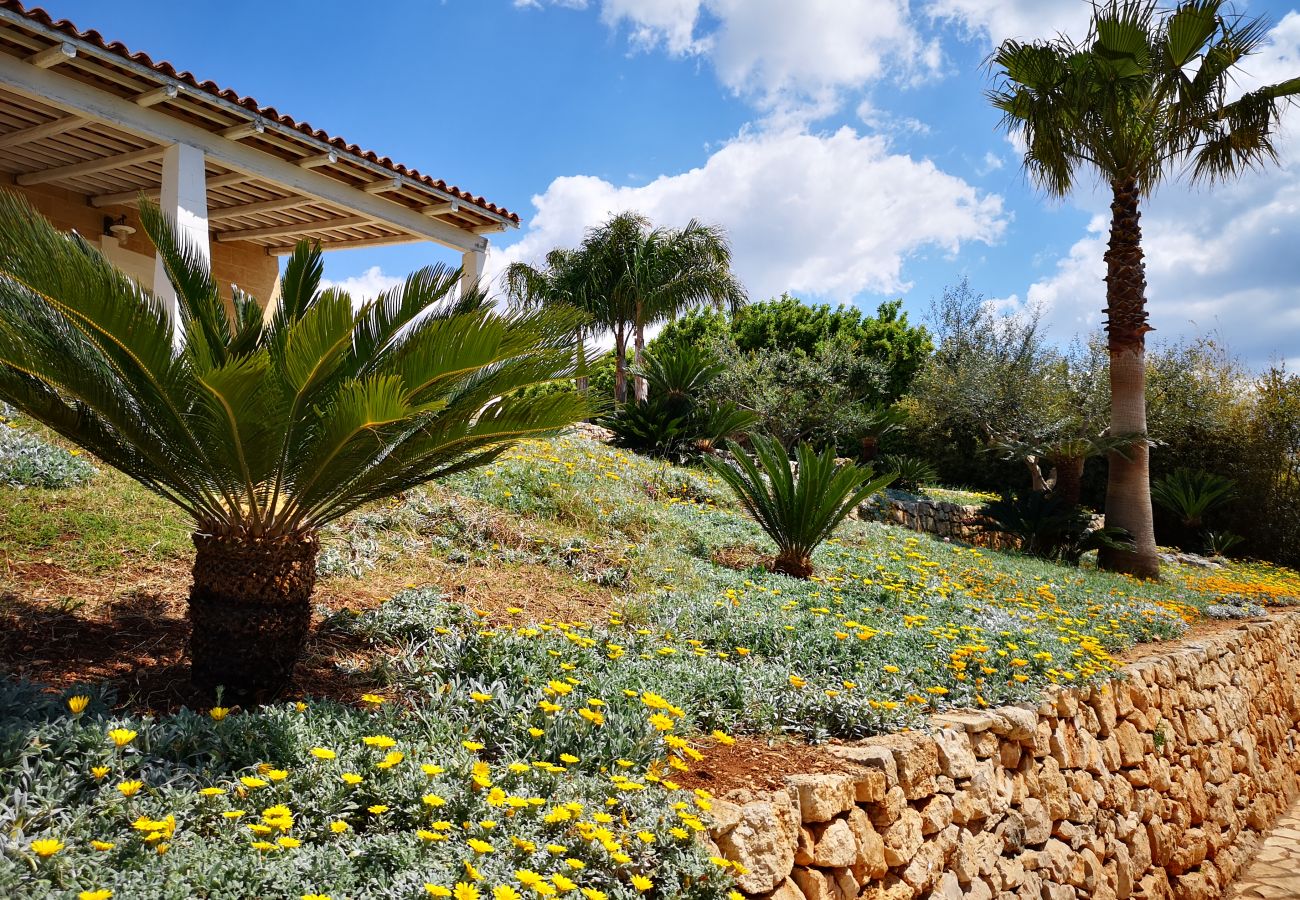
798	506
262	427
1143	97
647	275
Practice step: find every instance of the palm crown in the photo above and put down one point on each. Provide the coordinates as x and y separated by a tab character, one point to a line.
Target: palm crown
1142	93
263	427
256	424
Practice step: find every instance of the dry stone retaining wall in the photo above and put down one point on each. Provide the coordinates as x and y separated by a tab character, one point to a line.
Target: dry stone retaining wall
938	517
1153	785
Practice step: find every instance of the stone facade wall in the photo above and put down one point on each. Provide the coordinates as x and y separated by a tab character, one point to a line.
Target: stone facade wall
1156	784
246	265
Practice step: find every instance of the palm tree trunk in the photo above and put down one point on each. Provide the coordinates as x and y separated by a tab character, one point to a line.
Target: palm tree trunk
1128	486
1069	479
580	379
249	610
640	388
620	365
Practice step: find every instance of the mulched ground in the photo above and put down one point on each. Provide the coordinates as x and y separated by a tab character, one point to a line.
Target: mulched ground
757	764
63	628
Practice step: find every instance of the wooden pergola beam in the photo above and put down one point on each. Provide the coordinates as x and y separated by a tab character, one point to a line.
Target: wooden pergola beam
441	209
157	95
41	131
383	187
359	243
315	162
90	166
52	56
297	228
129	198
261	206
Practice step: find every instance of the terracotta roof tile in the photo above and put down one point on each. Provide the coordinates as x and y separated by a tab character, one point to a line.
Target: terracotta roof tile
163	67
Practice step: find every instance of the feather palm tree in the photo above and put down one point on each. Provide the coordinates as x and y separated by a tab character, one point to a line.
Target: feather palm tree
647	275
263	427
564	280
1142	98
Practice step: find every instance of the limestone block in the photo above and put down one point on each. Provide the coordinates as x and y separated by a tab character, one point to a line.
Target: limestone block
834	844
821	798
902	838
956	756
763	842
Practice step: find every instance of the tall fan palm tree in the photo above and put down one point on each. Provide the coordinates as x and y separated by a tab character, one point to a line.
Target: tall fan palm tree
263	427
1142	98
646	275
565	279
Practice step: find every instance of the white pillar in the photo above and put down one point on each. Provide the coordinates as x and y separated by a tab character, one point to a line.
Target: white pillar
185	200
471	264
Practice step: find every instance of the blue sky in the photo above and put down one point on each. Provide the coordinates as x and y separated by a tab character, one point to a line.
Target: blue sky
844	144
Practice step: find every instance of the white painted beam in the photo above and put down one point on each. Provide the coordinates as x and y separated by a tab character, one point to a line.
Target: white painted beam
261	206
41	131
471	264
185	200
328	246
315	162
73	96
295	229
130	198
90	166
157	95
243	130
383	187
52	56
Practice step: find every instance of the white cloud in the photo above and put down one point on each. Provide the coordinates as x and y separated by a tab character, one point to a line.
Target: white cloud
1219	258
824	215
795	61
996	20
366	286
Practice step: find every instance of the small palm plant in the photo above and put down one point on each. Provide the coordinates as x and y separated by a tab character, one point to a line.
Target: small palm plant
675	420
1191	494
265	426
798	510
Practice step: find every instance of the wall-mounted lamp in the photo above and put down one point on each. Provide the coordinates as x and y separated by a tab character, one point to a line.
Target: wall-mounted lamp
117	228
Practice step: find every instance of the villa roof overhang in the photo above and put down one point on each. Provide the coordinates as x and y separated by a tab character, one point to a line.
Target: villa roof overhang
93	117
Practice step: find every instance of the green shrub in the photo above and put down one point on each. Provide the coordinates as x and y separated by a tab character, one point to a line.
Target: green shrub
798	509
28	461
676	421
1049	527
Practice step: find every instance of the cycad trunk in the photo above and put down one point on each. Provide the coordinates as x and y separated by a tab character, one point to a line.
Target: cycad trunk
794	563
1128	487
250	608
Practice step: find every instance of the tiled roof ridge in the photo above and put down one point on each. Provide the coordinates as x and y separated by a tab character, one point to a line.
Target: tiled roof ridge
117	48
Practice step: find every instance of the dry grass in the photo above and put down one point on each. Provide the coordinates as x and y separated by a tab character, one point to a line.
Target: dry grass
93	582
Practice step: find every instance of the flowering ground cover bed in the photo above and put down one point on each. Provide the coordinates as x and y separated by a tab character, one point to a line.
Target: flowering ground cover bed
490	744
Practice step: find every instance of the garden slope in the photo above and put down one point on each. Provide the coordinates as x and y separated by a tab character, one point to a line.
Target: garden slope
601	653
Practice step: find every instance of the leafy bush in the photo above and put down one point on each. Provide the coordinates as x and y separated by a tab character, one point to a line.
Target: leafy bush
676	421
28	461
1049	527
798	510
